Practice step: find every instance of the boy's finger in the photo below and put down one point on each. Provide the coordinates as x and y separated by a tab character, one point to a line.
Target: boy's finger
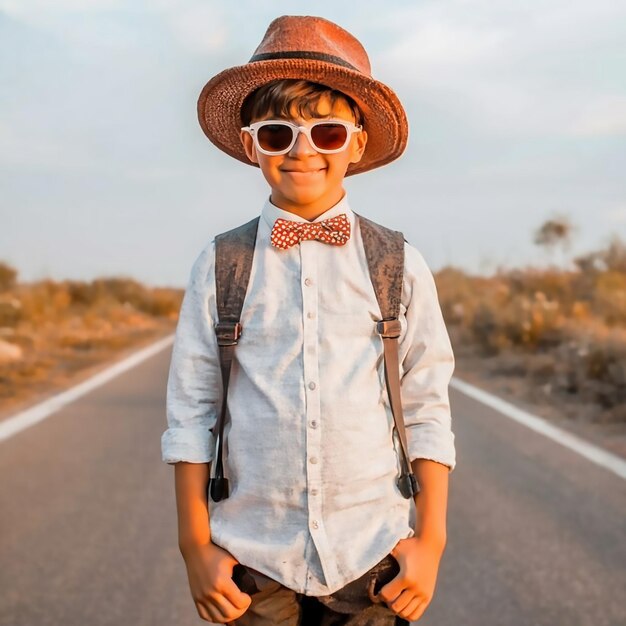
392	589
224	608
402	602
234	595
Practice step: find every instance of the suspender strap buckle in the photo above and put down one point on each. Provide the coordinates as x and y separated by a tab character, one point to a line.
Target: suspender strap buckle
218	488
228	333
389	328
407	483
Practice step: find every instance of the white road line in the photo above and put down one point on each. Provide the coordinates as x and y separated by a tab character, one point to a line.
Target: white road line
598	455
29	417
20	421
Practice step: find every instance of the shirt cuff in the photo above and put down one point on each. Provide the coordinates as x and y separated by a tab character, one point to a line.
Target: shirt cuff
426	442
193	445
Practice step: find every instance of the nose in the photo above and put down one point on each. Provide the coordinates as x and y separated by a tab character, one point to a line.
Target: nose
302	146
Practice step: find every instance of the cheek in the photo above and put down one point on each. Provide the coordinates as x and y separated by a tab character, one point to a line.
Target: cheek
339	164
269	167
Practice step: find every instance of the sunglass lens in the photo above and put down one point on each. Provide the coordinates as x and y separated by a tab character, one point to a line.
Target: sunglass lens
329	136
274	137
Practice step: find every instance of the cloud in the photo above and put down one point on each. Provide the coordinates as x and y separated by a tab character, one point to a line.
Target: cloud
604	115
437	47
511	68
32	8
617	216
200	27
18	150
84	30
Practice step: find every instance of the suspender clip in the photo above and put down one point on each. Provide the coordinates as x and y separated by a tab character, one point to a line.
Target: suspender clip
389	328
228	333
218	488
407	483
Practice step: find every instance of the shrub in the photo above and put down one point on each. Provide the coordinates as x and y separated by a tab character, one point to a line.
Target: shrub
8	276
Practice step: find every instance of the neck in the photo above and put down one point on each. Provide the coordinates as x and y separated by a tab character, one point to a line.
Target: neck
309	211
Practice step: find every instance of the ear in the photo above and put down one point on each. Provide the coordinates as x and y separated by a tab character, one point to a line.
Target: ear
248	145
358	147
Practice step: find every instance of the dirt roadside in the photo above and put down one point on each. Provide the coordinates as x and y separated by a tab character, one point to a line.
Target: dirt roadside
568	413
31	395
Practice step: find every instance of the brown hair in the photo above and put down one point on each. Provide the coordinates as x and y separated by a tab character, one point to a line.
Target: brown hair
278	97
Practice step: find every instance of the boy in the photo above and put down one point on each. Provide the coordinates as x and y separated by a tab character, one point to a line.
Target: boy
314	514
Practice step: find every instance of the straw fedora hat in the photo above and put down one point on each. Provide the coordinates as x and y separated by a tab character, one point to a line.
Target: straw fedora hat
317	50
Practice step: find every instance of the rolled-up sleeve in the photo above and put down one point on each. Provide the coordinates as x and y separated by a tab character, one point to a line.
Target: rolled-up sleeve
194	382
427	363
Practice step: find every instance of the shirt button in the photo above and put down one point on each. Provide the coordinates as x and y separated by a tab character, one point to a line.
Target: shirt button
313	424
310	315
314	523
314	460
307	281
312	385
314	492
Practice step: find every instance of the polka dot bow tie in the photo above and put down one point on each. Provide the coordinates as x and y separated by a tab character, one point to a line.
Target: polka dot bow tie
287	233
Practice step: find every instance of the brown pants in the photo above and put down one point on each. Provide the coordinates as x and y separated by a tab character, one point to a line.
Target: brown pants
353	605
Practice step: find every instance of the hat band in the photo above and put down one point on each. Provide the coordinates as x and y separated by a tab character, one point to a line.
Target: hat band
303	54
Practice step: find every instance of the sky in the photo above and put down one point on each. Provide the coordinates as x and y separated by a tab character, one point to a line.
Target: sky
517	114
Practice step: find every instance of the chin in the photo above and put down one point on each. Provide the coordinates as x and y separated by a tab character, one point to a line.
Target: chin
304	196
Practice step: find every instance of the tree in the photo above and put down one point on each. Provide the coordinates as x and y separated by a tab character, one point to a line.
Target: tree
553	233
8	276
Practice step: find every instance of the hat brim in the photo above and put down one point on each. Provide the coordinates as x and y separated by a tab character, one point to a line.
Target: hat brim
384	118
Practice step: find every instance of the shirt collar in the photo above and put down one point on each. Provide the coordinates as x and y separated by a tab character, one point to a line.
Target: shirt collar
270	213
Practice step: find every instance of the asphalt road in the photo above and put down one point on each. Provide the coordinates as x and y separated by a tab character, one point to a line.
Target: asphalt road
536	533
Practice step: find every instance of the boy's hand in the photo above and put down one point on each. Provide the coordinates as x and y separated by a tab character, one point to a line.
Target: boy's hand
217	597
411	591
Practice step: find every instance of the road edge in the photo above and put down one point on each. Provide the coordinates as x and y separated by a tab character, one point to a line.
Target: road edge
584	448
18	422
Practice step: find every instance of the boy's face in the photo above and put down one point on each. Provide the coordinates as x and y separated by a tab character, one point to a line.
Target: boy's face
304	181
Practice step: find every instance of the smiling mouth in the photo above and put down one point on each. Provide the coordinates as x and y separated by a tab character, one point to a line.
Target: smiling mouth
304	171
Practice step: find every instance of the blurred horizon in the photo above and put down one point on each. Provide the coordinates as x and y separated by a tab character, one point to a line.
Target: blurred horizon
517	114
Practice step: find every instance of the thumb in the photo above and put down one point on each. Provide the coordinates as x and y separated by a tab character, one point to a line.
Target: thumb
393	588
399	553
236	597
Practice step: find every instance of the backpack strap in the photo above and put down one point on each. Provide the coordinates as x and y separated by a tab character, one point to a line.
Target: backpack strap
234	251
384	250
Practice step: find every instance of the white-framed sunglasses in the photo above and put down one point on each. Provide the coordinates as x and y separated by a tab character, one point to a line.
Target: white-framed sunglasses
275	137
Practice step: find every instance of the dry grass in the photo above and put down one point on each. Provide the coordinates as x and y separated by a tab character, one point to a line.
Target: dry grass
563	330
50	331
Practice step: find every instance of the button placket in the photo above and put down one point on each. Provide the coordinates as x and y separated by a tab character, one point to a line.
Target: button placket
310	355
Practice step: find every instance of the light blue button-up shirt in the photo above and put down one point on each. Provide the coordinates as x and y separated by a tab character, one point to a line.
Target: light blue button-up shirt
311	454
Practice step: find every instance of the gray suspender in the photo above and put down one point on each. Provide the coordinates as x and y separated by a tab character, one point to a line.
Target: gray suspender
384	250
234	250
